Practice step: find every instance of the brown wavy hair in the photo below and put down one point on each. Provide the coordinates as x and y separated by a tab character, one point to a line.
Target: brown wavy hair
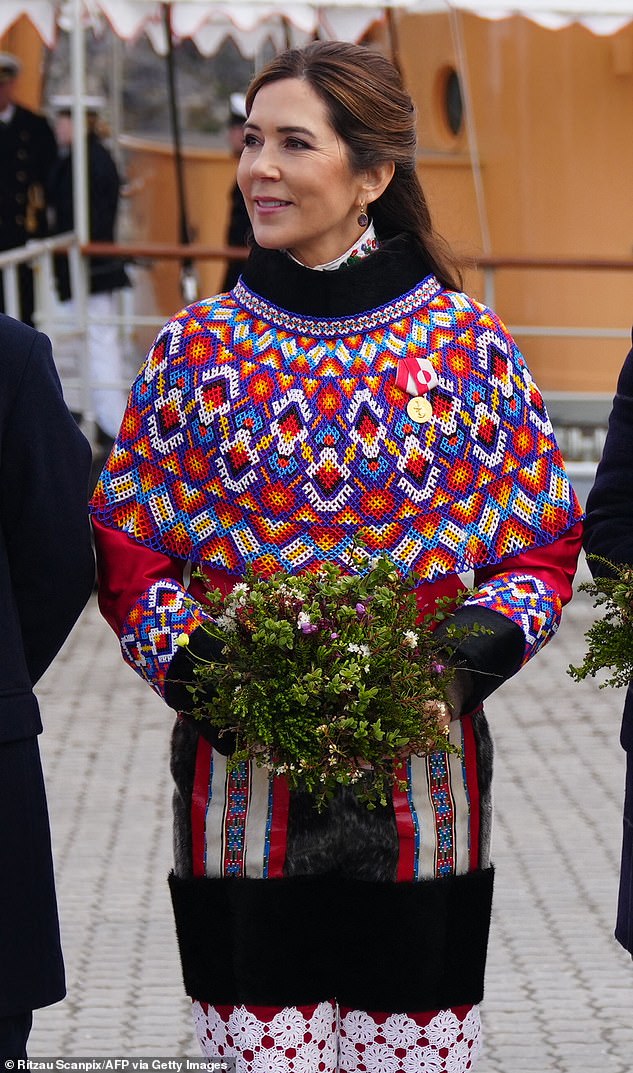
374	116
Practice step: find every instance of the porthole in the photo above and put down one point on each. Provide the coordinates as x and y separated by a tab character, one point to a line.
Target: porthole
452	101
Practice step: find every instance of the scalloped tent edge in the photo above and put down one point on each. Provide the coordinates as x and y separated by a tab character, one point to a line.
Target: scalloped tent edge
208	22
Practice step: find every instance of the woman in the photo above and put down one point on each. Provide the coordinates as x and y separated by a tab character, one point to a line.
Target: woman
609	534
345	387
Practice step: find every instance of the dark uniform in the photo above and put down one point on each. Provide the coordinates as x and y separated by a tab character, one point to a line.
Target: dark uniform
104	184
27	152
237	235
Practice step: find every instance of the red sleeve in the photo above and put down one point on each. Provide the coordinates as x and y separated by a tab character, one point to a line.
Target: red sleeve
554	564
144	598
125	570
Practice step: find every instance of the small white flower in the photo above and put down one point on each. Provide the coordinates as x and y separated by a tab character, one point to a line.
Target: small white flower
303	619
237	597
423	1061
411	638
291	592
360	650
270	1062
307	1059
323	1021
471	1026
349	1056
226	622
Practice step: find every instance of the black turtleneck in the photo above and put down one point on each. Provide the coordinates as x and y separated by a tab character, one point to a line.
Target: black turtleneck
394	269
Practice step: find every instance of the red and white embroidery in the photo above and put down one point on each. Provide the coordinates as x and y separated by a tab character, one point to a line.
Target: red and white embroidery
446	1042
324	1039
300	1039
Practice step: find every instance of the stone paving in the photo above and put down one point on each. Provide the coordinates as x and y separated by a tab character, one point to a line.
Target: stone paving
559	995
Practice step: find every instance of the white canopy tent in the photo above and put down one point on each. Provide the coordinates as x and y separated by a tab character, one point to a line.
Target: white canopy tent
208	22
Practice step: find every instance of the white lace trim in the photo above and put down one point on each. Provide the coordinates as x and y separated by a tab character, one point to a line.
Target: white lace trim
325	1042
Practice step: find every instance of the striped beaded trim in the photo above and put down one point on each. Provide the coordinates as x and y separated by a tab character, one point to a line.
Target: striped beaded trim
329	327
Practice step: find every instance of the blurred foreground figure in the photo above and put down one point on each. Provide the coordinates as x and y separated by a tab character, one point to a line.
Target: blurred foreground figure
609	533
46	576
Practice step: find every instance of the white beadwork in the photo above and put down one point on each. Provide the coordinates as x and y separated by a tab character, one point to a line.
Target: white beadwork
294	1042
444	1045
300	1044
443	1029
288	1028
359	1026
245	1029
400	1031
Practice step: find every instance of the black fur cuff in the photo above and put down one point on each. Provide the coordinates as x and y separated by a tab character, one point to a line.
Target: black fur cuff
394	947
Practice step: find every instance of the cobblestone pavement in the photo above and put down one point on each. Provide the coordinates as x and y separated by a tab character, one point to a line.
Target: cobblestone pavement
559	991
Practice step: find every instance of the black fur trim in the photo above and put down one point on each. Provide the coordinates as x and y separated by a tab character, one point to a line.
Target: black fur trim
372	946
346	840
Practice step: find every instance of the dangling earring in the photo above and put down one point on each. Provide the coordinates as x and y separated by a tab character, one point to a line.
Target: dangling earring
363	218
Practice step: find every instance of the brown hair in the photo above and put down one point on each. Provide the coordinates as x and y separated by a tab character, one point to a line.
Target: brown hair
375	117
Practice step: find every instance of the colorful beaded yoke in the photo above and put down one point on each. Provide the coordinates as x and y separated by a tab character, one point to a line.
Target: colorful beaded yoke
256	435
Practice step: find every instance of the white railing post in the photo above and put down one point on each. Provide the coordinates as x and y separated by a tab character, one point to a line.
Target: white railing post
11	291
79	292
489	287
44	293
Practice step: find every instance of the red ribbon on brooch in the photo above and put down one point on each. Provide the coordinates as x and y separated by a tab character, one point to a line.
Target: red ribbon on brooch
416	376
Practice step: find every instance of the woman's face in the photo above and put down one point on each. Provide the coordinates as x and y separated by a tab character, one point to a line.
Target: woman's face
294	173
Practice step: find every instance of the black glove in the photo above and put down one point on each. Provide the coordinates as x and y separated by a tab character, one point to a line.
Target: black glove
484	660
181	674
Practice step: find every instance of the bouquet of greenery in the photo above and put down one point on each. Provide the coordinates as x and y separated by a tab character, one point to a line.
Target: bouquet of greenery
328	678
610	638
